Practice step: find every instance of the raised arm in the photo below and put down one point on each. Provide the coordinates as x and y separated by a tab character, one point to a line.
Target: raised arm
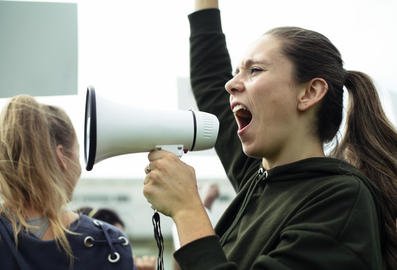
210	69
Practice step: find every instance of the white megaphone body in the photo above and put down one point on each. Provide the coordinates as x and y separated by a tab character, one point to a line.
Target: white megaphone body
112	129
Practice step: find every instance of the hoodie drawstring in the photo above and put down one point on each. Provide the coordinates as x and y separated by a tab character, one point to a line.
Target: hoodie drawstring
113	256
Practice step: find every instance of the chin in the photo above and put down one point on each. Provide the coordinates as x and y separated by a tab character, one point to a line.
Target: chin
251	152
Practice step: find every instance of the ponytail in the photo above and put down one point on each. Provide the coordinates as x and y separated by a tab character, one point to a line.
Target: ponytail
370	144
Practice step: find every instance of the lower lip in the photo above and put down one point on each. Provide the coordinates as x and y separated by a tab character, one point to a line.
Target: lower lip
241	132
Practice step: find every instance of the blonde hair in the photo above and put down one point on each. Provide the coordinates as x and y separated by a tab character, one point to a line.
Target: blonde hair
30	173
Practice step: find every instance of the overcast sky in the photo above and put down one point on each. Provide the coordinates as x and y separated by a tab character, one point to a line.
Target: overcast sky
131	48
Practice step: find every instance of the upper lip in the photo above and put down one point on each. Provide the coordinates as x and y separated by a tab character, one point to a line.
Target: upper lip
241	113
234	104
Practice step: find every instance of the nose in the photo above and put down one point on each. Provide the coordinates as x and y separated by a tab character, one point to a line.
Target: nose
234	85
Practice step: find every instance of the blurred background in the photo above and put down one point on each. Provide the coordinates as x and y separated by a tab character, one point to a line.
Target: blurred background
136	53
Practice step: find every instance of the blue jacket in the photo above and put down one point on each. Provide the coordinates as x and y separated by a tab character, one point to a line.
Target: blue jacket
97	245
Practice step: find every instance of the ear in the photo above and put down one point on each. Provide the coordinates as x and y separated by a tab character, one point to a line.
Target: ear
61	156
312	93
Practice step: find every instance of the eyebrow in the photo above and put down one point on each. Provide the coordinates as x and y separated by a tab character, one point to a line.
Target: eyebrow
249	63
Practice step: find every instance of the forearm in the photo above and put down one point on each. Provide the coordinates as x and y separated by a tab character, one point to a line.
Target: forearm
210	69
205	4
192	225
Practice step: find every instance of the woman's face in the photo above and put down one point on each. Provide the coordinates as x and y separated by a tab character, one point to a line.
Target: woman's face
76	161
263	97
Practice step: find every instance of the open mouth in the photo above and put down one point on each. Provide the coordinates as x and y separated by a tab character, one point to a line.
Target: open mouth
243	116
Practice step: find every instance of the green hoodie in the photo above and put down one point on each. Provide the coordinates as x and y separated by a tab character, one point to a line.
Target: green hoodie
317	213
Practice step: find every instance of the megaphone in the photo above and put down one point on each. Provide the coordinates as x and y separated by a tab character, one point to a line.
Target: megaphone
112	129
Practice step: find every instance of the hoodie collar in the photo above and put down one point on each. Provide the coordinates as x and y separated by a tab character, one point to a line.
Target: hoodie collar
311	168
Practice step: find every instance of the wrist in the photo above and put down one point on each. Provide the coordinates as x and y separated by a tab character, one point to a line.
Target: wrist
188	213
192	224
205	4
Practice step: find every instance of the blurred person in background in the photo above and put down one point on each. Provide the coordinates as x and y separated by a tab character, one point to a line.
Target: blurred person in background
104	214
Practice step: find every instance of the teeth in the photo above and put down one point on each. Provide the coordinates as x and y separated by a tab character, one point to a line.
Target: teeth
239	107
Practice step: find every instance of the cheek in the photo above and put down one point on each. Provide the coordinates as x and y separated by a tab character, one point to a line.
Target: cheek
273	99
276	115
74	171
77	172
271	106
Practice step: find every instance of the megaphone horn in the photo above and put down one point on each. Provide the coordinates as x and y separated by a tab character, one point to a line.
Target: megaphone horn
112	129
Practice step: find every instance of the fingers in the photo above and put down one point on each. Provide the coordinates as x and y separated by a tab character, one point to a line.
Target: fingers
161	160
155	154
145	263
159	154
148	169
146	181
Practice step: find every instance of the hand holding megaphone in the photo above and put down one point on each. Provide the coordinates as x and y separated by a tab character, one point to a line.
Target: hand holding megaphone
169	182
112	129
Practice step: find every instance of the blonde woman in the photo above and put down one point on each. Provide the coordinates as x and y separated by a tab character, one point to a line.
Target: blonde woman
39	169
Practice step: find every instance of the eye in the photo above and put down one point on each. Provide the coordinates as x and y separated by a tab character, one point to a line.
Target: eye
254	70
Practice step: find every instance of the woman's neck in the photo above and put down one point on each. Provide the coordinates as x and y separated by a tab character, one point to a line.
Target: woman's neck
32	213
294	152
68	217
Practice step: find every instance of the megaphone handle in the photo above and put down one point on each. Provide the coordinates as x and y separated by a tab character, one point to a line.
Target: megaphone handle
159	239
177	149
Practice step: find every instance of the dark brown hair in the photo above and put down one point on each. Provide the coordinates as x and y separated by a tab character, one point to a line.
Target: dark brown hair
370	141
